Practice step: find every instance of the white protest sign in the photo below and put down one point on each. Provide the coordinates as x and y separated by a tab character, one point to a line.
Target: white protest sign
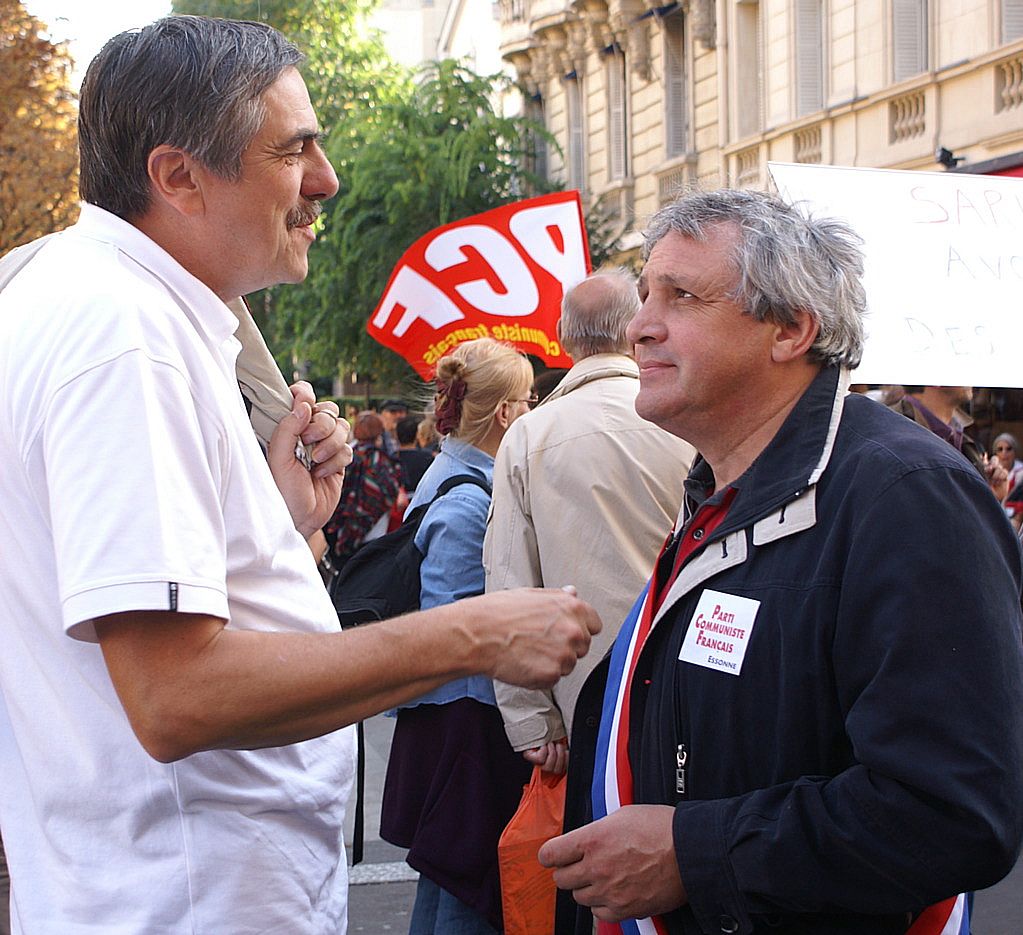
943	269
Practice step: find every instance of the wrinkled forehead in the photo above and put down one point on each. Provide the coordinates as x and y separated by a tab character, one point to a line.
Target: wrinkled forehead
287	110
711	258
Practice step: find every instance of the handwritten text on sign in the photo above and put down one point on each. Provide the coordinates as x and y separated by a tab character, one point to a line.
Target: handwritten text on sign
944	269
500	274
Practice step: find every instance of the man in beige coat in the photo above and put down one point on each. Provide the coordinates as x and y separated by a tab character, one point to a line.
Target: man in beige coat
585	491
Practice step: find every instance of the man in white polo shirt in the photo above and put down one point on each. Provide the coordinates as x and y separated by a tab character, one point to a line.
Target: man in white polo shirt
174	684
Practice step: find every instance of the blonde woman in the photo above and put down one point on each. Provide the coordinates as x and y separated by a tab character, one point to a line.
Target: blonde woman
453	781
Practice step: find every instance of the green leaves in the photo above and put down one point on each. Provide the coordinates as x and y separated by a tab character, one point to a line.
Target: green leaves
412	152
437	153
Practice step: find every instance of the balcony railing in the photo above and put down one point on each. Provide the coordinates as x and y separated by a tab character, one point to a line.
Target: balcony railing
1009	84
513	11
676	179
747	168
907	117
807	145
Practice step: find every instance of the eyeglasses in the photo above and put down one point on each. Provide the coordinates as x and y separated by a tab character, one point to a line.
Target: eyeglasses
531	401
1004	448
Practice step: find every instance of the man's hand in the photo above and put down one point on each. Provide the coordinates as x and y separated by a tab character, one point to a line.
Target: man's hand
551	757
529	637
622	866
311	496
997	478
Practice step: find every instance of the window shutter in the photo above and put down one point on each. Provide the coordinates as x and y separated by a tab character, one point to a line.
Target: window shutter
617	156
675	122
909	35
809	57
576	135
748	63
537	149
1012	20
760	77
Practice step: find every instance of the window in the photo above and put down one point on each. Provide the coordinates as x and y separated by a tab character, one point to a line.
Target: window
676	97
536	143
809	56
1012	20
617	127
749	73
575	103
909	38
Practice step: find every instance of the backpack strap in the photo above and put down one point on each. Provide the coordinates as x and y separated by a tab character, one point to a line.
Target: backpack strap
457	481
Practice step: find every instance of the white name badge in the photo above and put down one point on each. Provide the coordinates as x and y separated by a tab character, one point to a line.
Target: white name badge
719	632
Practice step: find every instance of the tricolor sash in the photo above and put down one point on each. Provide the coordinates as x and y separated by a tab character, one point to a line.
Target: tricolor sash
612	775
949	917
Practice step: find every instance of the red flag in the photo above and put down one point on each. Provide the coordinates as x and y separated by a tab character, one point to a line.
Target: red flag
500	274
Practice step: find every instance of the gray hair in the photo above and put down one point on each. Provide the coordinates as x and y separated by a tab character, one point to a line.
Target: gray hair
187	81
593	320
1006	437
786	261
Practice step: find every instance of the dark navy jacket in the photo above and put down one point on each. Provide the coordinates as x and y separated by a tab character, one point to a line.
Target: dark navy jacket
866	762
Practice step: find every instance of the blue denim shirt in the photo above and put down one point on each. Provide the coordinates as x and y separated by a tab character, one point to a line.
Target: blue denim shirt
451	540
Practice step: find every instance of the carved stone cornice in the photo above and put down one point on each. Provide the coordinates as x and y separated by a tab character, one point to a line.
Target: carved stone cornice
632	35
577	45
555	42
701	18
627	28
526	71
593	14
544	64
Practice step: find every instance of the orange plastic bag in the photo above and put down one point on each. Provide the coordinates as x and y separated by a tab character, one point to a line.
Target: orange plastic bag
527	888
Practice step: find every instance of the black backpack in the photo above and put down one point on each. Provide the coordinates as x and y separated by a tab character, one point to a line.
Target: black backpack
381	579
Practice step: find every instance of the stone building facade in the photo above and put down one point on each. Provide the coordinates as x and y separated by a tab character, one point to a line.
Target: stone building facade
643	99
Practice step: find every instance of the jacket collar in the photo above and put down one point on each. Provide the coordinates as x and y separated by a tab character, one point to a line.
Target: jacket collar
794	460
469	455
596	367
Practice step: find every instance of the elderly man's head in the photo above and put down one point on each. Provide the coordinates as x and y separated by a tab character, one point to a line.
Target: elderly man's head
596	312
200	132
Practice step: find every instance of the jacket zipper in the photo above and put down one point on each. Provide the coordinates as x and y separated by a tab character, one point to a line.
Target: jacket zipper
683	760
681	755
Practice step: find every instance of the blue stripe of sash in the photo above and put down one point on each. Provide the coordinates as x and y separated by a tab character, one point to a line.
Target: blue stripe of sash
616	672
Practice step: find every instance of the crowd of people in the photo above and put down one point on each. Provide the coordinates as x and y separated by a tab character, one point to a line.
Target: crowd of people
769	628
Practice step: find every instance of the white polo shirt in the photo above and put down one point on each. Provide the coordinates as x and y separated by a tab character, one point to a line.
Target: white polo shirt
130	479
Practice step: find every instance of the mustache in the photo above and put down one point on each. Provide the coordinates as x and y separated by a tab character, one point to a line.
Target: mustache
304	215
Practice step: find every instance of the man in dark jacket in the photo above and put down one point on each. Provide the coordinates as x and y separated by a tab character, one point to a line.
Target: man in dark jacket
813	720
940	409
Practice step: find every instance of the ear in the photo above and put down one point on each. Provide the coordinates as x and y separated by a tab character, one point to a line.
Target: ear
503	415
792	341
176	179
